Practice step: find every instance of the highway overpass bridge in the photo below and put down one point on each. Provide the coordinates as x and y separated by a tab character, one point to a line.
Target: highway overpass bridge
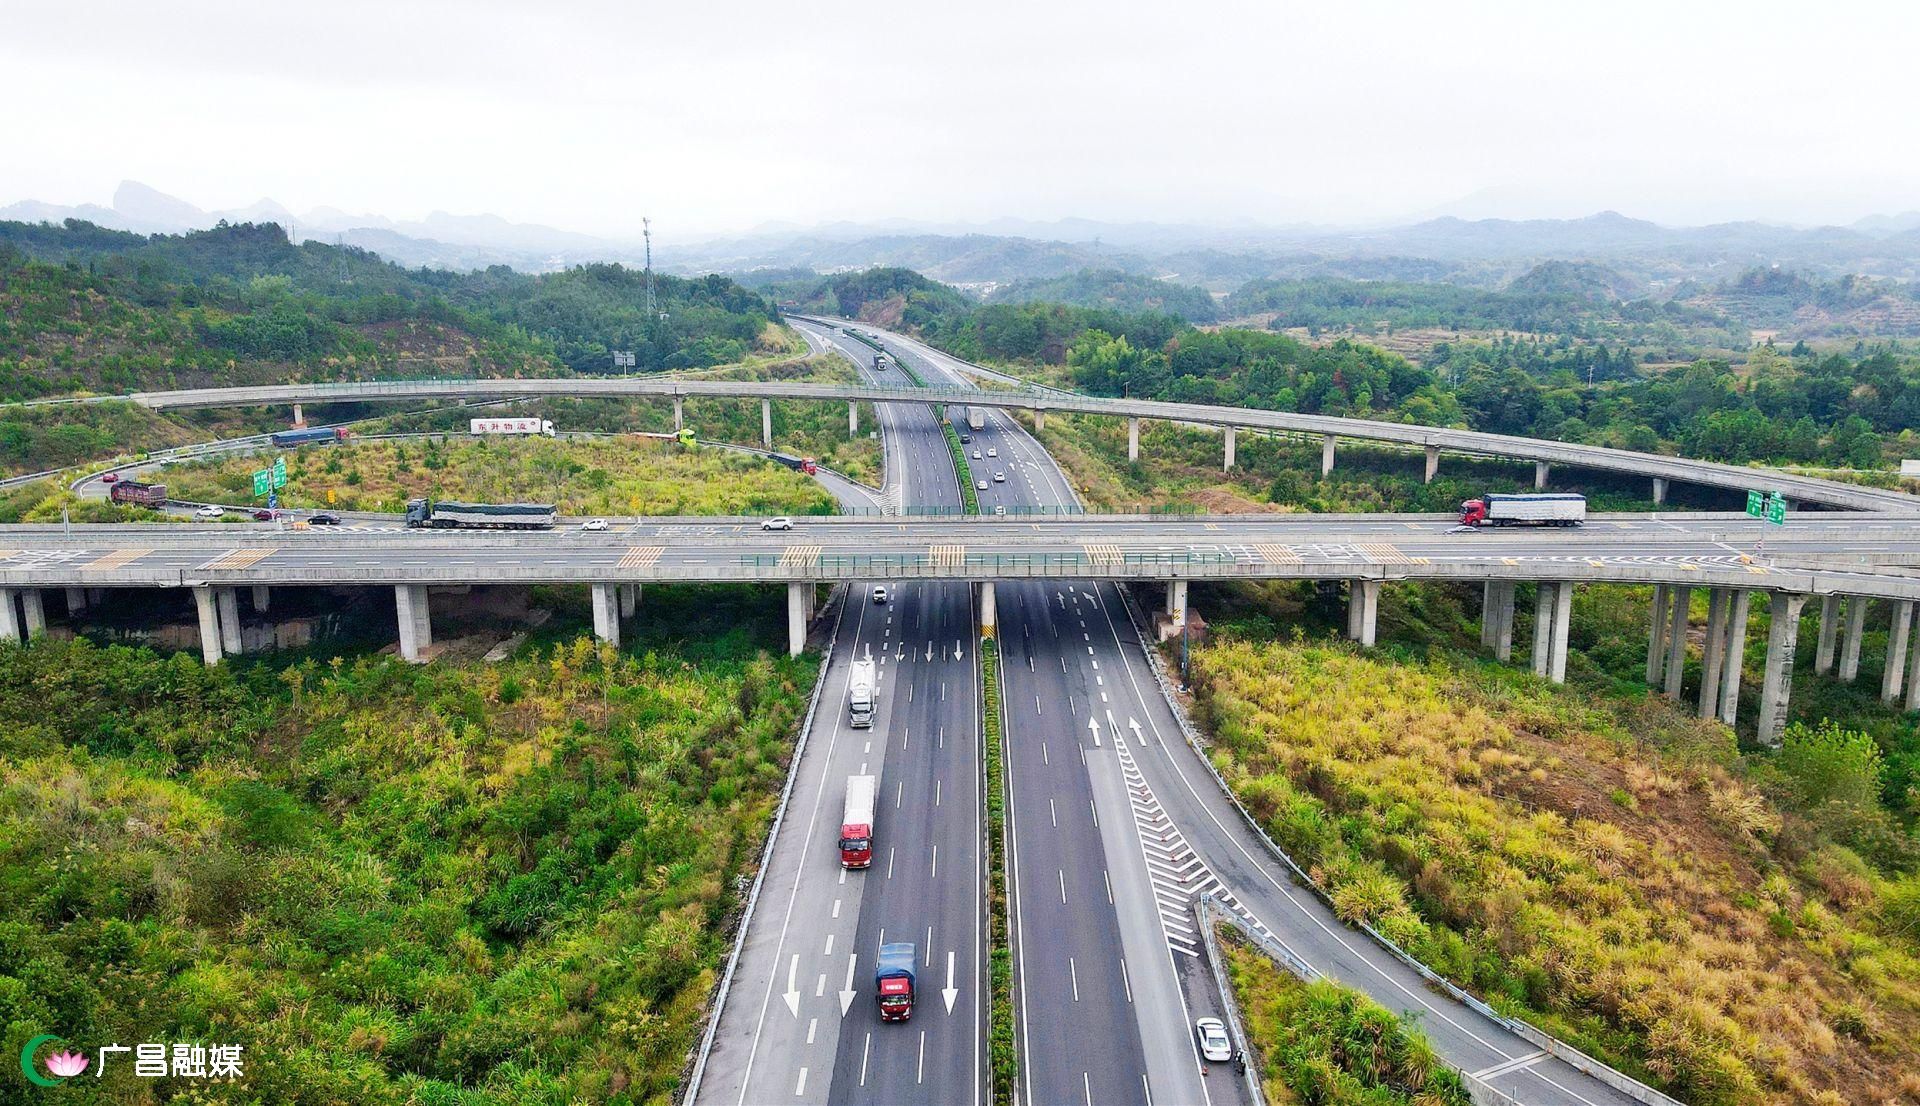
1844	561
1660	470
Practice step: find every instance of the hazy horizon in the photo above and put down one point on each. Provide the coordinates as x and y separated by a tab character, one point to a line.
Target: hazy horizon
717	123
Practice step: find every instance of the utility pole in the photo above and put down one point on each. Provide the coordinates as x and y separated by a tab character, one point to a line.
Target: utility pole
646	232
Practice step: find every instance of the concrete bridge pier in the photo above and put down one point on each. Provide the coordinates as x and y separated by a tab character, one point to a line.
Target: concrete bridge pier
207	608
1913	677
1552	611
1829	633
1326	455
766	423
1363	611
797	593
1657	637
1898	637
1733	660
679	414
1850	638
33	611
299	417
606	613
1775	689
1177	602
9	615
1677	639
1133	439
1039	420
1540	472
853	419
227	601
76	600
1503	623
1433	464
989	610
629	600
262	597
1659	491
1227	465
416	621
1713	653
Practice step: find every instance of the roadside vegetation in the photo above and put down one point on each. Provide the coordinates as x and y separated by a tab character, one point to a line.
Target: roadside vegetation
624	475
1735	929
1320	1042
458	882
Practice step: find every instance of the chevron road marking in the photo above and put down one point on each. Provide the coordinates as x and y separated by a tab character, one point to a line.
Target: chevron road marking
641	556
115	559
1102	553
240	558
800	556
947	556
1276	554
1381	552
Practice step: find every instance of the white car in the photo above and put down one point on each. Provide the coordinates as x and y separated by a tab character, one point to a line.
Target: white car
210	511
999	510
781	523
980	484
1214	1044
879	595
999	477
976	455
594	524
993	453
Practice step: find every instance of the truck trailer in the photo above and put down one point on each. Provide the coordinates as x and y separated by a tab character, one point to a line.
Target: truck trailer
860	686
543	427
1524	510
138	494
443	515
287	439
893	981
856	822
977	418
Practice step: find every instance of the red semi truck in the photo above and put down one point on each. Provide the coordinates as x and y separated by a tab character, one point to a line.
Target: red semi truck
893	981
856	823
1524	510
141	495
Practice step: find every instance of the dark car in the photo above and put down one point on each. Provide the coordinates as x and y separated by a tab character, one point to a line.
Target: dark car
264	515
966	439
324	519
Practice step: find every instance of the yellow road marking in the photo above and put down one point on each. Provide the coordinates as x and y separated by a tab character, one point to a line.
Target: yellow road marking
1757	570
641	556
1509	560
1381	552
1422	560
241	558
115	559
800	556
1212	525
947	556
1276	554
1104	553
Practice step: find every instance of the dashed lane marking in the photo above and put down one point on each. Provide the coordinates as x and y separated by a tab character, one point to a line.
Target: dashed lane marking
240	558
641	556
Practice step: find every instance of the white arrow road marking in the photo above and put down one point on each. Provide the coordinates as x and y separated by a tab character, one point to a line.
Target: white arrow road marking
1094	725
950	992
1134	725
846	993
929	650
957	654
793	985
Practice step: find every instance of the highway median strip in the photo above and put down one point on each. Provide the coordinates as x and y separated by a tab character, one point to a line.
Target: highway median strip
1003	1059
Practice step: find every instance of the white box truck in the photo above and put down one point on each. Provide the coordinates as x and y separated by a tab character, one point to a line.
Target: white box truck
977	418
542	427
860	687
856	823
1550	509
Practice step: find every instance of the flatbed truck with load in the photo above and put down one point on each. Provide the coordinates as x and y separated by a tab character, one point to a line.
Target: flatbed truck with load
138	494
1539	509
444	515
860	687
856	822
893	981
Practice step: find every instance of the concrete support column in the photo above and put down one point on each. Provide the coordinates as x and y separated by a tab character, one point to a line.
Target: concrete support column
228	602
9	615
679	414
76	600
1677	639
299	417
1897	638
1562	621
1913	680
989	613
1829	632
207	609
1326	455
1363	611
1659	490
1039	420
262	597
797	616
1778	685
1489	611
629	599
1227	465
853	419
1433	463
1714	653
1540	473
1176	596
33	611
1732	665
766	423
1657	637
812	595
606	613
416	621
1133	439
1503	628
1850	639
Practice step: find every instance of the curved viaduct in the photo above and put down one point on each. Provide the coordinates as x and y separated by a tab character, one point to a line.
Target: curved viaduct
1659	469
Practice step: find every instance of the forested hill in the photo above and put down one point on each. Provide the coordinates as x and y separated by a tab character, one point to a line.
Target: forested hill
82	307
1116	289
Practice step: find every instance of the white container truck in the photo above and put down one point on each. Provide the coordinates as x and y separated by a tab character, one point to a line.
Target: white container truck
542	427
860	688
977	418
1550	509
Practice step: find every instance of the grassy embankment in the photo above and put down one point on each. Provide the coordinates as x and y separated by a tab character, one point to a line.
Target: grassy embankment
452	883
1323	1043
1607	867
604	476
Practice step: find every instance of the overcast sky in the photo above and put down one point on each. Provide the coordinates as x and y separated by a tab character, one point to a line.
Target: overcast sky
716	116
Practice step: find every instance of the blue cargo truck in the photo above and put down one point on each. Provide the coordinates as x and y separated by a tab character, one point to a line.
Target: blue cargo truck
430	515
288	438
893	981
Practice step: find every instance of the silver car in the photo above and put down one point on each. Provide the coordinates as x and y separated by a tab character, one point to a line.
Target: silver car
1214	1043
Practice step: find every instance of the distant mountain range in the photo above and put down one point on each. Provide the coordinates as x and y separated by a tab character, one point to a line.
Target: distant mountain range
982	258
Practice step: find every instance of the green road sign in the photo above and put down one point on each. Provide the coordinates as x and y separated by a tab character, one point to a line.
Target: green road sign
1777	509
1756	504
279	472
262	481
